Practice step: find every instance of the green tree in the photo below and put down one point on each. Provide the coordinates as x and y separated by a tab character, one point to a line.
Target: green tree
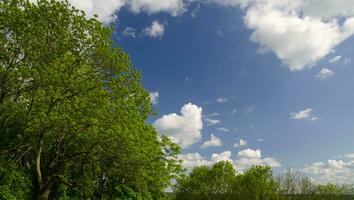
207	182
73	112
257	183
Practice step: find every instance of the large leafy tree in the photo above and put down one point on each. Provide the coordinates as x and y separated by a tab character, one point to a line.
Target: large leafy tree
72	110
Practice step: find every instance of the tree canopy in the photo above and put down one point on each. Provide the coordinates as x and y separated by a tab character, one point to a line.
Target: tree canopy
221	181
73	111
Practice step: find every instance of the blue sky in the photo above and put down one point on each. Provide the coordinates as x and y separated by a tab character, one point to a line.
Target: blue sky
259	81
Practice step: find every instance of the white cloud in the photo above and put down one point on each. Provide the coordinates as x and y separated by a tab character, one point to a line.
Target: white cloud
335	59
324	74
340	171
184	129
222	100
240	143
156	30
212	122
223	129
250	153
299	32
348	156
328	9
154	97
245	159
213	142
107	9
304	115
129	32
174	7
224	156
249	157
191	160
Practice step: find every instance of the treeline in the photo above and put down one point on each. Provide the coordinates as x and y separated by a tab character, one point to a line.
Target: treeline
221	181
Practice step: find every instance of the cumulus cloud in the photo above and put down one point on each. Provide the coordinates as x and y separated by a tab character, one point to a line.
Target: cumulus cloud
304	115
191	160
154	97
224	156
339	170
324	74
174	7
213	142
240	143
299	32
156	30
184	129
107	9
249	157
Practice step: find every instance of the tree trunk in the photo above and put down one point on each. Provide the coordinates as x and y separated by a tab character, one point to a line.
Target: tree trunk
43	193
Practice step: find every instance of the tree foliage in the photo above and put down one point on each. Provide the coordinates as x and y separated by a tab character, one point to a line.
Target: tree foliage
206	182
221	182
72	111
257	183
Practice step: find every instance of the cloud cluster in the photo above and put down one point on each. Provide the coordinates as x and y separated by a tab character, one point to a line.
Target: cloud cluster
191	160
249	157
340	170
304	115
244	159
224	156
299	32
184	129
107	9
